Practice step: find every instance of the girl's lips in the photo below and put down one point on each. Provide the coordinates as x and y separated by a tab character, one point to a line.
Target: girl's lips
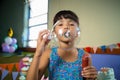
67	34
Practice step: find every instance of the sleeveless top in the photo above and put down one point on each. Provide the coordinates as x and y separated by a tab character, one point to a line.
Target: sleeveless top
59	69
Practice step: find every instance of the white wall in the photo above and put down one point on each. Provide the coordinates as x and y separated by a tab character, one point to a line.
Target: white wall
99	19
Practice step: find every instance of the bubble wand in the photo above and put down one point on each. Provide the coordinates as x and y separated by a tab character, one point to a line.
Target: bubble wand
50	35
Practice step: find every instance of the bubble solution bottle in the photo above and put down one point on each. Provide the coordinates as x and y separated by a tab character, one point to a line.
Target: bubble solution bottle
85	61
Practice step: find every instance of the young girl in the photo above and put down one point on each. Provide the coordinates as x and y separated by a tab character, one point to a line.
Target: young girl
64	62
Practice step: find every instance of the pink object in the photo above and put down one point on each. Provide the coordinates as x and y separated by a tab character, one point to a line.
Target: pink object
43	78
11	49
25	59
21	64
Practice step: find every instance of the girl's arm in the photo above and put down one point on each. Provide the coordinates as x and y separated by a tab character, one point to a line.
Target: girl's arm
39	56
43	64
38	66
32	73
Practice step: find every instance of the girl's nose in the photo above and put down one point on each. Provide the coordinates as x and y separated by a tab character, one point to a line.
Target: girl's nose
66	27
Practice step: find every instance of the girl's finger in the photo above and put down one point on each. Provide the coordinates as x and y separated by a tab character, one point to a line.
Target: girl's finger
42	33
89	67
90	76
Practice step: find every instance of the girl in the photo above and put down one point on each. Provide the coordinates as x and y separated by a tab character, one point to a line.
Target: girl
64	62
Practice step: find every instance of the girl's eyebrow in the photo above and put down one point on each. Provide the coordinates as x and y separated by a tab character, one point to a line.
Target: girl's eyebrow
71	21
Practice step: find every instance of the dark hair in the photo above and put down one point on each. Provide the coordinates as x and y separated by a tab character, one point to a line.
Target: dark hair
67	14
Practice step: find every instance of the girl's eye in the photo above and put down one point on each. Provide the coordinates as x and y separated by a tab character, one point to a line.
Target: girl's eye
72	25
60	24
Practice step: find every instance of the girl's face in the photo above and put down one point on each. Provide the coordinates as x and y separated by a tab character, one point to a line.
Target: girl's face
66	30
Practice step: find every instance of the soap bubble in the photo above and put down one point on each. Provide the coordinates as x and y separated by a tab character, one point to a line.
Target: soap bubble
66	35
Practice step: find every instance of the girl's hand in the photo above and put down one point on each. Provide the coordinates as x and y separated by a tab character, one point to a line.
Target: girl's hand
89	72
42	41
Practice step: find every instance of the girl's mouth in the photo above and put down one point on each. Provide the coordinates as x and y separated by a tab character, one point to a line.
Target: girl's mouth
67	34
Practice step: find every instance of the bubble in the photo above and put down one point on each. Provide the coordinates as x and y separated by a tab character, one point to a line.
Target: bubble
67	34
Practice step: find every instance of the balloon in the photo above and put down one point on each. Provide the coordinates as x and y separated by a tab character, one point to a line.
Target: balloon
10	43
8	40
4	44
14	41
15	46
12	49
5	48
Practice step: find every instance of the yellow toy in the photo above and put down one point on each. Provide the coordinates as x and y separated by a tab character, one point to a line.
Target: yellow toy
10	32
